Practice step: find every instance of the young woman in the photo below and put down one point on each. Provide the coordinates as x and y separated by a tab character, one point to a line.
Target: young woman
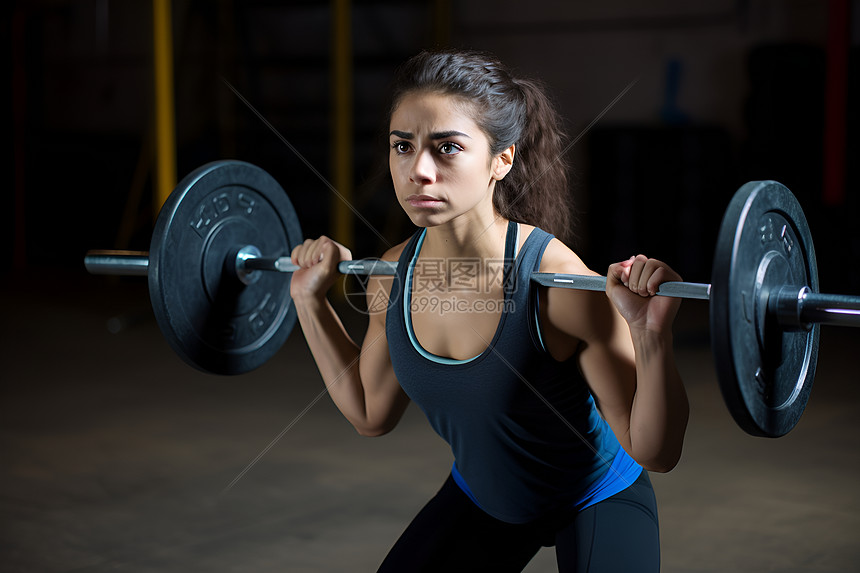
553	400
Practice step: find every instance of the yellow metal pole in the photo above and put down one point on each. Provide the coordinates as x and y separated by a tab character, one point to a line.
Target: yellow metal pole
165	128
342	122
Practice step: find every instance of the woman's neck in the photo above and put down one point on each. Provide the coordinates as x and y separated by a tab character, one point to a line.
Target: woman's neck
467	238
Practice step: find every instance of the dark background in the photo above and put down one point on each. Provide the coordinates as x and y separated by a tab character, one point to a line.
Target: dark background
726	92
115	455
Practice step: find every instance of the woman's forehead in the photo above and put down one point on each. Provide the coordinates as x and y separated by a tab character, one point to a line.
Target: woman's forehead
432	111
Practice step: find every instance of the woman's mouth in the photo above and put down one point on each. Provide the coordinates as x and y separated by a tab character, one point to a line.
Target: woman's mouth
423	201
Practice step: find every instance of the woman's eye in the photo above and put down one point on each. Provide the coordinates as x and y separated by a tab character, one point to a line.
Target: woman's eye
401	147
449	148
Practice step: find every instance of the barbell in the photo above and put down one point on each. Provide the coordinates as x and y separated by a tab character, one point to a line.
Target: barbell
229	222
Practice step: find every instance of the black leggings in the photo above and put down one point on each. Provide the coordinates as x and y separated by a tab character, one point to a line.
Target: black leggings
452	534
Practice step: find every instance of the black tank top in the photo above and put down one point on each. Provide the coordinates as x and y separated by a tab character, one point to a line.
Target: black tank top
526	435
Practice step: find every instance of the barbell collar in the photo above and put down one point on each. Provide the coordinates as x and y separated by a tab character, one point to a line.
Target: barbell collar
785	306
243	271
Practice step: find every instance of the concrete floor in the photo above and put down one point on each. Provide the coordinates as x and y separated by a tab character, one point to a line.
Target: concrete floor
116	456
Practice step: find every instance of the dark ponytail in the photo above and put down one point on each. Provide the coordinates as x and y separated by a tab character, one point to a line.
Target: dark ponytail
510	111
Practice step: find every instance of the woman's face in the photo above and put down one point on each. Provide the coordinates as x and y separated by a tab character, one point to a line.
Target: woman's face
440	160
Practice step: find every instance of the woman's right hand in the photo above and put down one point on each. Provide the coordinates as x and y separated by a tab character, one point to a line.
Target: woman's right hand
318	259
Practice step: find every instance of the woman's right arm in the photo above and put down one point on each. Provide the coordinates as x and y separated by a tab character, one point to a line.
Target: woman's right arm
360	381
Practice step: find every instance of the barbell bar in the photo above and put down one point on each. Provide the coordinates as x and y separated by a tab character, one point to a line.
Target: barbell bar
247	263
793	307
223	313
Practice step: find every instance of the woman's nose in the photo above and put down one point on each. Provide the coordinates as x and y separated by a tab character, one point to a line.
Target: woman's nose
423	170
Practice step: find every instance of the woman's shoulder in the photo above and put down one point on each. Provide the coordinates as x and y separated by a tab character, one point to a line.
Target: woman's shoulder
557	257
393	253
566	314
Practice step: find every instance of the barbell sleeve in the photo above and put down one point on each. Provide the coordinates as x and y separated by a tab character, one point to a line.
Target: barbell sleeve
126	263
832	309
799	308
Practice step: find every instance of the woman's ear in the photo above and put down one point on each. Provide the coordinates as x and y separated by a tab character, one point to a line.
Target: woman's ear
503	162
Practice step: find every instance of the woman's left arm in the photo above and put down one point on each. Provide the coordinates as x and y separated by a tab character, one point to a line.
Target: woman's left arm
626	355
660	410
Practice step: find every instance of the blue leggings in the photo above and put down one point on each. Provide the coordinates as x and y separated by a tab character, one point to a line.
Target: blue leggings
452	534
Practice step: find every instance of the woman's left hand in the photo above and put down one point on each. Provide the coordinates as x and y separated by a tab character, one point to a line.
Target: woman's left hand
631	286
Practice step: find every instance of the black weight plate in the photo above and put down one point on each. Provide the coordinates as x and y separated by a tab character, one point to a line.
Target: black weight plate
765	373
212	320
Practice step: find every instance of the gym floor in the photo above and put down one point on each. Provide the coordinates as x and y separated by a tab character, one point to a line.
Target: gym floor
116	456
